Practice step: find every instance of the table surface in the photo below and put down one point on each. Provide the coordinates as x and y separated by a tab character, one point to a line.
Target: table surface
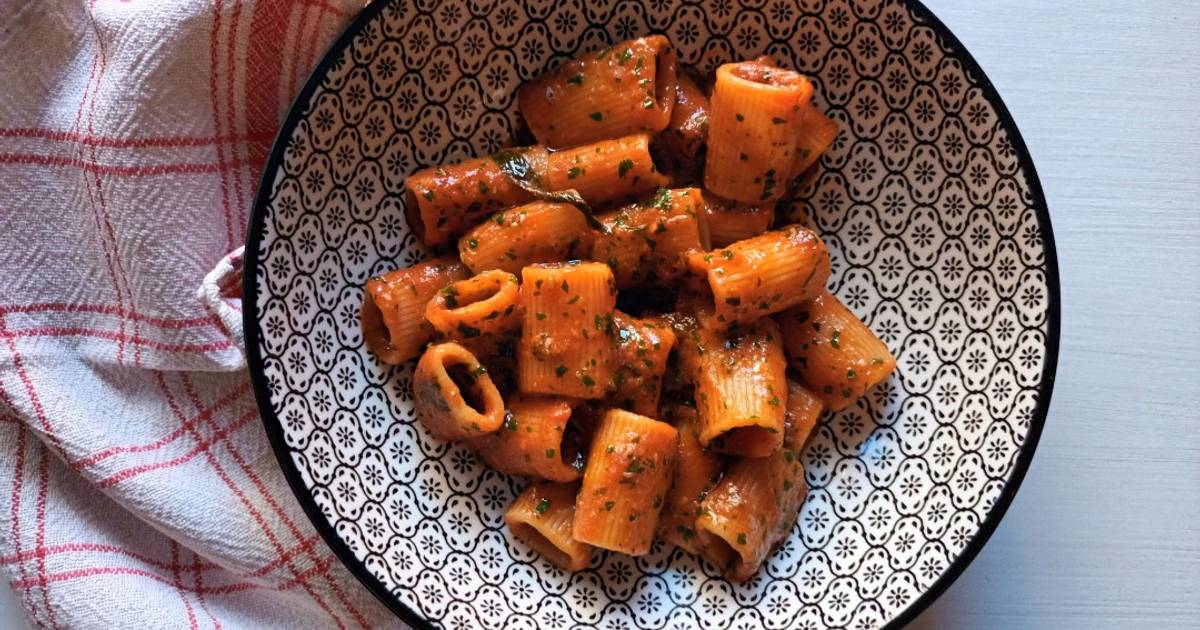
1105	532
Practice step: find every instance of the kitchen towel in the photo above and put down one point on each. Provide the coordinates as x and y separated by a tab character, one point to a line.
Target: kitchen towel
141	491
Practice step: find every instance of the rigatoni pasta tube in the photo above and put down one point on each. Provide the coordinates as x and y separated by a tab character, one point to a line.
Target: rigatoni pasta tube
803	410
815	134
566	343
754	122
486	305
627	88
530	440
732	221
685	135
630	467
393	309
454	397
836	355
695	473
765	274
756	503
643	347
651	241
443	202
607	172
741	389
542	517
536	232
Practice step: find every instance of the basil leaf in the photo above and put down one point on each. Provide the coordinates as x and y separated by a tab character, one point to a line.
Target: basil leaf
516	166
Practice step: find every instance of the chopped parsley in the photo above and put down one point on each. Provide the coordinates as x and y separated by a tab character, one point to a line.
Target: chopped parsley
450	296
542	506
624	167
596	116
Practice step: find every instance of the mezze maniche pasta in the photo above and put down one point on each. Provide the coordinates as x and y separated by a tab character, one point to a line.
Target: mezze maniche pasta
625	320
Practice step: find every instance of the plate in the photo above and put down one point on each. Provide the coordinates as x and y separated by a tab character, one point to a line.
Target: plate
940	240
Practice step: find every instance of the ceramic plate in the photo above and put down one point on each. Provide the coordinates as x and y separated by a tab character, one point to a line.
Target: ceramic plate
939	237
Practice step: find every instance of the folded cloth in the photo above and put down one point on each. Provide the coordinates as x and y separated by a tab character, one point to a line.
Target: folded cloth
141	491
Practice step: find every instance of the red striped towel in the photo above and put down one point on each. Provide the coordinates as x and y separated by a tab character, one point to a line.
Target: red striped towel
140	488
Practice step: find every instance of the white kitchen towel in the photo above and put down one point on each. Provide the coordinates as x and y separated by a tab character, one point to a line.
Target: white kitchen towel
141	491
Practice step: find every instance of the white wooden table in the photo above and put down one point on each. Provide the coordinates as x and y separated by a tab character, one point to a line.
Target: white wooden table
1105	532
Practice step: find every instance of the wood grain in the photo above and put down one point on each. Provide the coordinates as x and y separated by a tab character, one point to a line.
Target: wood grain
1105	532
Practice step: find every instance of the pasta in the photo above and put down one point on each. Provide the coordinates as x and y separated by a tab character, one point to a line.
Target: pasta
764	274
608	171
485	305
730	221
836	354
623	89
754	122
756	502
530	441
453	395
629	469
535	232
815	134
685	135
542	517
741	389
673	415
695	473
642	350
566	343
443	202
650	242
392	315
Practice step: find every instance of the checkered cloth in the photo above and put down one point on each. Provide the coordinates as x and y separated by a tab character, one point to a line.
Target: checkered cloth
140	488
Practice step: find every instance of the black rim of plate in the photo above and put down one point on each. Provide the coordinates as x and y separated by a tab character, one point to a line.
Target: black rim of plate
283	454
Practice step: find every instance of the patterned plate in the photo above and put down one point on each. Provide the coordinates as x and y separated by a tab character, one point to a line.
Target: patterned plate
939	236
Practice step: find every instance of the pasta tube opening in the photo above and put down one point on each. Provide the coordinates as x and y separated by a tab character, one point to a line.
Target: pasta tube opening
392	313
542	517
756	113
765	274
485	305
455	397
